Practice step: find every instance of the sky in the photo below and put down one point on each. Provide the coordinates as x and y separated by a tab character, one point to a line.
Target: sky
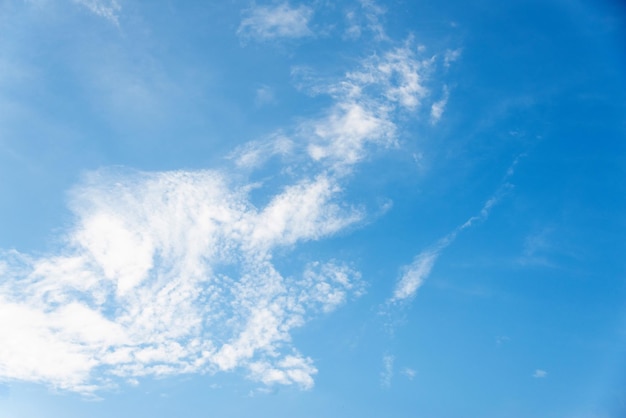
314	209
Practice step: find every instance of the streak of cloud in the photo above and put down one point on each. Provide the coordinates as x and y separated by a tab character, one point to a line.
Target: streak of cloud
415	274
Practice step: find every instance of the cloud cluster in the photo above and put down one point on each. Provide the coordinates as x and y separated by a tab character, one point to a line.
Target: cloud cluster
175	272
171	273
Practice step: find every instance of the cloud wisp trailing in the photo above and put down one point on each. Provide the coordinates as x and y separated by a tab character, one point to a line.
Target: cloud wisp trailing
414	274
165	273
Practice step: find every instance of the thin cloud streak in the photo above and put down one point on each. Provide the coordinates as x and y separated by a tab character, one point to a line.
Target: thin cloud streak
415	274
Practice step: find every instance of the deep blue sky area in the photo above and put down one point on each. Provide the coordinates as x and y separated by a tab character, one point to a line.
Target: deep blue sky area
312	209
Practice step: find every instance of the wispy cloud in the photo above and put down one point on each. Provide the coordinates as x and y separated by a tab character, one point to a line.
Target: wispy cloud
538	246
367	101
262	23
414	275
365	18
387	373
450	56
437	108
254	154
108	9
174	272
540	374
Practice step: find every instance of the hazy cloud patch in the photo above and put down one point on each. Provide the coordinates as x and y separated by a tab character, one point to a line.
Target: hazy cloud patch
263	23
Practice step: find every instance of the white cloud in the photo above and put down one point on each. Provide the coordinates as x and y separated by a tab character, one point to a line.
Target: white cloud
169	273
271	22
342	135
107	9
415	275
173	272
254	154
367	101
418	271
398	75
437	108
540	374
387	374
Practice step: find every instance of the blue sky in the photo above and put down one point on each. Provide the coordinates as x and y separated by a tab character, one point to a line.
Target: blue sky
312	209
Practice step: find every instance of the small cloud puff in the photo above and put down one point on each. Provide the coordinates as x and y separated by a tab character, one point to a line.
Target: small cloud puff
437	108
540	374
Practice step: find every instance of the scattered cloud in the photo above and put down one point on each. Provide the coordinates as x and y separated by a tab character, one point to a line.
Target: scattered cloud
167	273
387	373
540	374
263	23
451	56
174	272
437	108
366	101
340	137
365	18
108	9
